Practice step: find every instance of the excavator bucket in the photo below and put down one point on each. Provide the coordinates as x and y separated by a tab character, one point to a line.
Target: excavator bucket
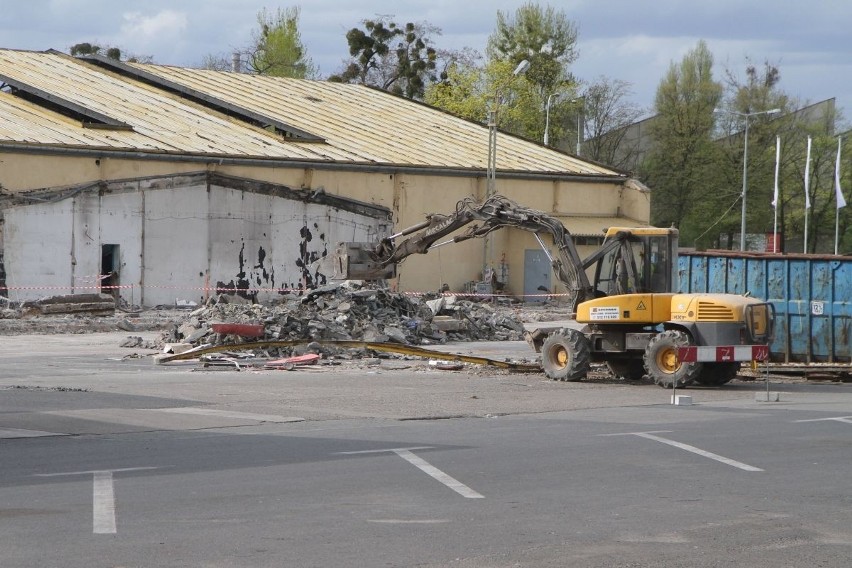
352	261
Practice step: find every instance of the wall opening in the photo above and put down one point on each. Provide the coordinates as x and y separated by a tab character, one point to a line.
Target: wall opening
110	264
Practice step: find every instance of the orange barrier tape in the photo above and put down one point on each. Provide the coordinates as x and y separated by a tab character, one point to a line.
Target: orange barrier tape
274	290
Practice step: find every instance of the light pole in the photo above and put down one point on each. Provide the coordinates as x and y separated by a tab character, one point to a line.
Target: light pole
550	97
580	113
492	131
491	173
746	116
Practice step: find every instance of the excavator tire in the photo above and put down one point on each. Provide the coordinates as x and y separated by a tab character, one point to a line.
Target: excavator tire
565	355
661	361
717	374
627	369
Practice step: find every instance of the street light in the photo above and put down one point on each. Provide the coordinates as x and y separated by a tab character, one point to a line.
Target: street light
746	116
550	97
491	173
580	113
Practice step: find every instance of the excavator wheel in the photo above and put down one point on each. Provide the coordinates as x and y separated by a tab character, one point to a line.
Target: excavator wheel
565	355
717	374
661	361
627	369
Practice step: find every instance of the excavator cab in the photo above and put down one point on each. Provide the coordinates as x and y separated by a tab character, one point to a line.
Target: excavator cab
635	261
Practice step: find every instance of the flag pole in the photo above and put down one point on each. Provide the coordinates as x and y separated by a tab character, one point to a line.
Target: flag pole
841	202
807	192
775	201
836	229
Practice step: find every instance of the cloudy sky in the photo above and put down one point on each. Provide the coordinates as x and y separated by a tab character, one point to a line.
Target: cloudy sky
631	40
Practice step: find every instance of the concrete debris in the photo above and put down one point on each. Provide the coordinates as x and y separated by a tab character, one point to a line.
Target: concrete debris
349	311
136	341
90	304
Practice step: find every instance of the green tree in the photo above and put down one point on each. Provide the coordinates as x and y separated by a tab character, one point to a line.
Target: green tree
86	48
603	114
399	59
543	36
463	92
680	168
748	101
278	50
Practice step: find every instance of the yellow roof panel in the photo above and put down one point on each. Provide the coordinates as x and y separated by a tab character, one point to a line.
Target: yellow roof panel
353	123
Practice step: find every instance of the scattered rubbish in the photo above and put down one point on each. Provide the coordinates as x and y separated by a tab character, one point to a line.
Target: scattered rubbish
446	365
347	311
241	329
172	348
289	363
90	304
133	341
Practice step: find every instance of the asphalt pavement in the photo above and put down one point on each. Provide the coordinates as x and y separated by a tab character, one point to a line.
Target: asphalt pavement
111	460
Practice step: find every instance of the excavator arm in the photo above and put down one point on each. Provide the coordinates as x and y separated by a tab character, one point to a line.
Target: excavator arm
494	213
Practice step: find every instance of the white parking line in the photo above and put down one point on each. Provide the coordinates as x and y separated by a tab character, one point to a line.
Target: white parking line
103	503
846	419
427	468
688	448
6	433
230	414
103	496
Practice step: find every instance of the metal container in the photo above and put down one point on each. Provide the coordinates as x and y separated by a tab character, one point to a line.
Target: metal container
812	295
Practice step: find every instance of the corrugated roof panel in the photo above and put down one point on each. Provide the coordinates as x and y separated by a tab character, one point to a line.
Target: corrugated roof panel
166	122
358	124
27	123
356	118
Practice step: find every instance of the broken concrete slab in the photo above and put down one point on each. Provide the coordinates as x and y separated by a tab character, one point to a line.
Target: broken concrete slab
88	304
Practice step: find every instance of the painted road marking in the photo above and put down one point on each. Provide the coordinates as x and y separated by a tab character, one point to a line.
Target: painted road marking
427	468
103	503
230	414
846	419
103	496
6	433
409	521
688	448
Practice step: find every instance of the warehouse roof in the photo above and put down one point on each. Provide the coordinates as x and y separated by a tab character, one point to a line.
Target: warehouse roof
55	100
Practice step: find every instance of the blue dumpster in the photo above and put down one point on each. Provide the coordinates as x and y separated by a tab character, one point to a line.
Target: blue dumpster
812	295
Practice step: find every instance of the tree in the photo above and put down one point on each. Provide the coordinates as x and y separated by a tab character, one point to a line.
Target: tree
680	168
86	48
749	101
463	92
604	113
398	59
278	50
543	36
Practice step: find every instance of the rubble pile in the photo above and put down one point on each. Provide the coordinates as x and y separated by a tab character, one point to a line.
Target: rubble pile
347	311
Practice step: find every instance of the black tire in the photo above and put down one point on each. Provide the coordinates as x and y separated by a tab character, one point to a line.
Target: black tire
717	374
661	360
627	369
565	355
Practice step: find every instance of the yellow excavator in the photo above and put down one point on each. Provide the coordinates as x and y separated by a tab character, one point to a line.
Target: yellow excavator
628	317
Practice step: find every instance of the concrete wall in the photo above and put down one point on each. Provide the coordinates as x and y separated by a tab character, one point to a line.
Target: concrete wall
177	219
175	243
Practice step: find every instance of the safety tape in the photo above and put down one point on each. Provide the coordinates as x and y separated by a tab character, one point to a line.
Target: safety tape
212	289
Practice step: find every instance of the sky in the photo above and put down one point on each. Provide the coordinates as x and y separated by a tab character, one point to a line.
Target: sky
630	40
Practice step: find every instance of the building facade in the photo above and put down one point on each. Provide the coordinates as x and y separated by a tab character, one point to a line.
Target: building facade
174	182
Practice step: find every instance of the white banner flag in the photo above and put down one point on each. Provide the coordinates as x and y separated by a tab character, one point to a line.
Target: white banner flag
841	202
777	162
808	176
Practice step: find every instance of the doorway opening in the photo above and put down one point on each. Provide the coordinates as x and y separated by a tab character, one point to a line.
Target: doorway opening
109	270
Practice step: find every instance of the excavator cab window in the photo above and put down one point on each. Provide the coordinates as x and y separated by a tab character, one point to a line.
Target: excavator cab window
642	263
658	265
